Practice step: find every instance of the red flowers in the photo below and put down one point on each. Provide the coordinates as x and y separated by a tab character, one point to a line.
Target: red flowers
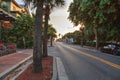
8	25
12	46
9	46
1	44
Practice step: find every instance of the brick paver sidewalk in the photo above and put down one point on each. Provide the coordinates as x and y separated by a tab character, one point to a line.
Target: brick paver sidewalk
10	60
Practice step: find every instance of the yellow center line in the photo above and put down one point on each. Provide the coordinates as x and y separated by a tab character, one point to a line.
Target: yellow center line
99	59
102	60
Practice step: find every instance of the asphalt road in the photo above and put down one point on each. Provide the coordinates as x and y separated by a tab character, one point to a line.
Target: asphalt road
86	64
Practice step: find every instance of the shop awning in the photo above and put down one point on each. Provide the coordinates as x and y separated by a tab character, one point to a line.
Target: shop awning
6	16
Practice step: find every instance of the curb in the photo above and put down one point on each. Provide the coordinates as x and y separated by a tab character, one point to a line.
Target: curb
55	73
61	70
3	74
15	77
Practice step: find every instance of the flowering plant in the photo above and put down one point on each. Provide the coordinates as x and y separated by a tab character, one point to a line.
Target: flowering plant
1	44
12	46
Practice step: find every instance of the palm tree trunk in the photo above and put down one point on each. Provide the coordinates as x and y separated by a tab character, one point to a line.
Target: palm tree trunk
45	37
96	37
82	35
24	42
37	50
82	38
0	32
51	39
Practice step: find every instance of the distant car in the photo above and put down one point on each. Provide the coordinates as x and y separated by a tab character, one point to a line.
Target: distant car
111	48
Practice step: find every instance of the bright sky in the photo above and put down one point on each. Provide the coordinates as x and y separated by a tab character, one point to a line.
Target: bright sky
59	19
19	1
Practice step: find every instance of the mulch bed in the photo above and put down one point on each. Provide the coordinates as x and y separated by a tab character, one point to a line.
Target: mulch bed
46	74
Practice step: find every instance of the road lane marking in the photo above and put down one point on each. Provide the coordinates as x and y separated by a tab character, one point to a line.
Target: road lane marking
99	59
102	60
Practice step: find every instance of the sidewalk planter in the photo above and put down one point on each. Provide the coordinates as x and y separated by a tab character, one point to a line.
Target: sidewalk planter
46	74
58	70
11	51
4	50
11	48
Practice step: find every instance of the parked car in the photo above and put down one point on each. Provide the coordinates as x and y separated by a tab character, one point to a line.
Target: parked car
116	51
111	48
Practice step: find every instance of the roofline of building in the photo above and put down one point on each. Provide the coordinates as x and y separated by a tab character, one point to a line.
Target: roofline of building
13	2
16	3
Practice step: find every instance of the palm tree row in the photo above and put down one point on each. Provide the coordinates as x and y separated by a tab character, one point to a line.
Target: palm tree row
38	50
49	5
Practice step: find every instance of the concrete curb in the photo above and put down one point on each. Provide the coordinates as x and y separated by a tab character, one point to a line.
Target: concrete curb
61	70
55	73
15	77
3	74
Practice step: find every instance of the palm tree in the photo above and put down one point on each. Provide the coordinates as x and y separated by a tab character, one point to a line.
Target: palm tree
37	49
49	5
82	29
51	33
